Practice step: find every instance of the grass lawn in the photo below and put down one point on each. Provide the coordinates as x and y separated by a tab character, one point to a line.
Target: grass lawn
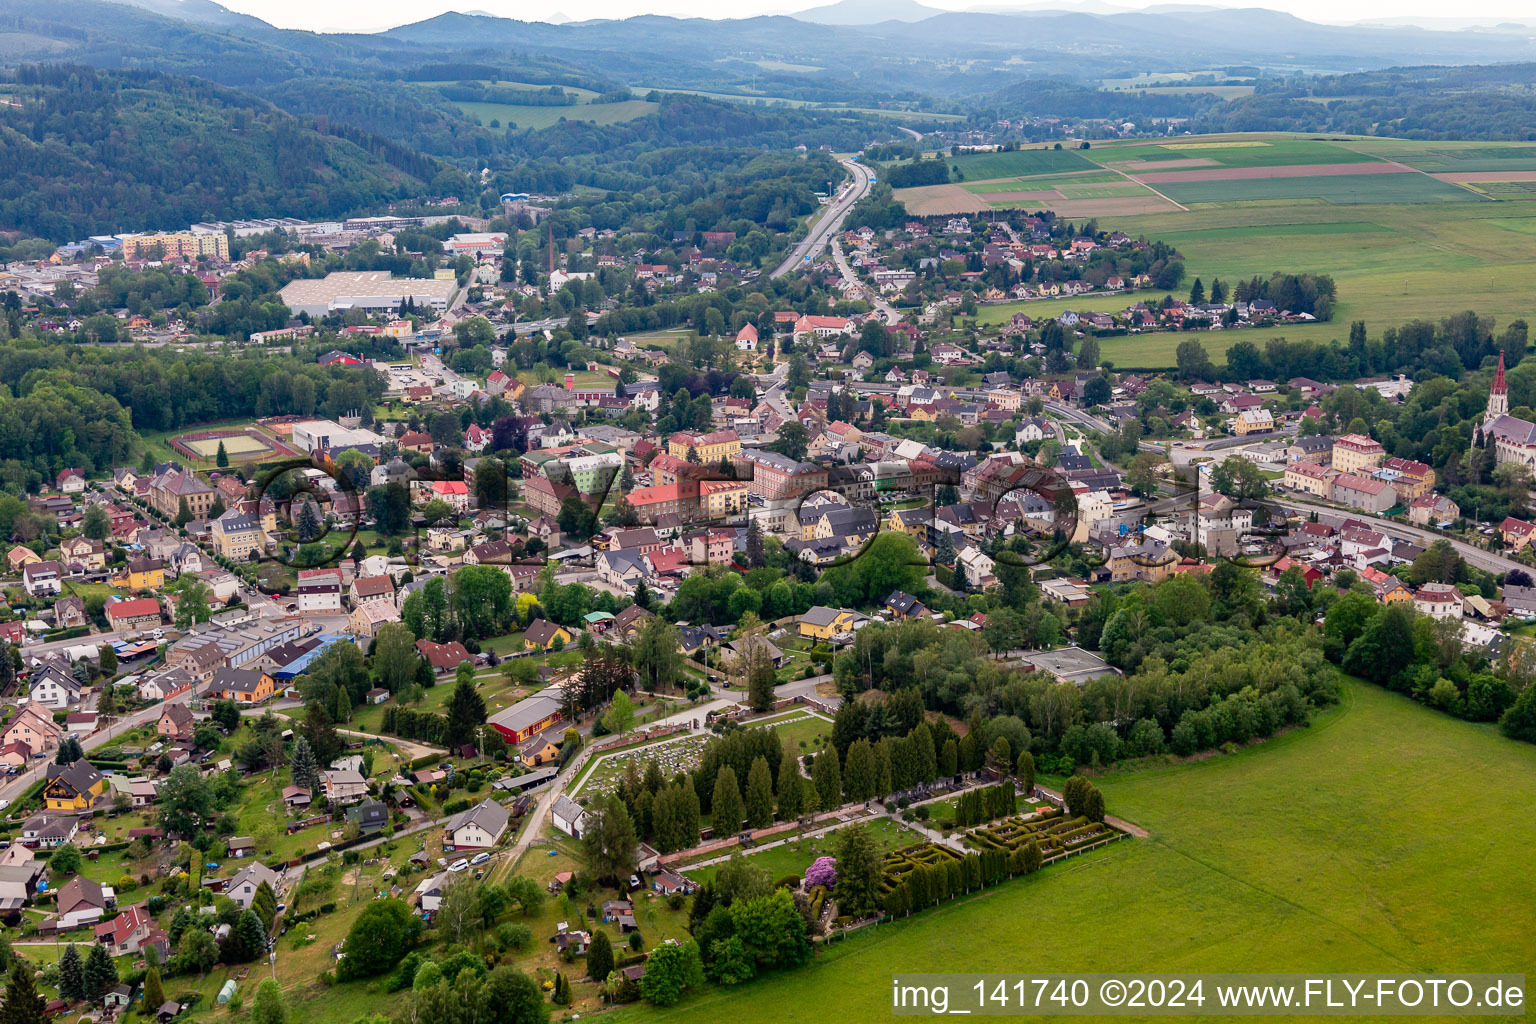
794	857
1327	849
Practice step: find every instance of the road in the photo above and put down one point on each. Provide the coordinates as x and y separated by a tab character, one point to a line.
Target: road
884	308
830	221
1475	556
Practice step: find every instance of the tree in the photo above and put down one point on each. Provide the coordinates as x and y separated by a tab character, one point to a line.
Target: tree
826	775
64	860
185	802
250	936
1088	354
267	1007
1141	474
23	1003
575	519
669	972
394	656
154	992
791	789
608	841
302	766
600	956
100	972
69	751
656	654
1025	771
192	600
959	582
466	713
758	803
221	458
1194	362
761	675
458	915
725	809
793	440
380	936
619	718
197	949
317	728
859	772
754	544
1240	480
860	870
226	715
96	524
183	513
71	975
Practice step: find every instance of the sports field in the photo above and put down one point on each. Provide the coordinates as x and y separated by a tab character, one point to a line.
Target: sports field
1386	837
235	445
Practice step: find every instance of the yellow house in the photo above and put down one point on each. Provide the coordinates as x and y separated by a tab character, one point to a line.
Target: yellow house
719	499
542	635
241	685
822	623
89	553
711	447
73	787
922	412
911	521
539	751
145	574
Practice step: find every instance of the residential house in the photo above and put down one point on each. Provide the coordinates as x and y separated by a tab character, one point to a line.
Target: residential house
243	887
83	901
569	816
241	685
542	635
479	828
72	788
176	723
344	787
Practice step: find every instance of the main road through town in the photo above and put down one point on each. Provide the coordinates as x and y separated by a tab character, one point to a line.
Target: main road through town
831	219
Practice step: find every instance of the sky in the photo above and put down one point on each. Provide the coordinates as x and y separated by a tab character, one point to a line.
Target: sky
377	15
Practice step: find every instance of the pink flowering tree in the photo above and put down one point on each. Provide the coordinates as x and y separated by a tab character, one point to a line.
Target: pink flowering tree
823	871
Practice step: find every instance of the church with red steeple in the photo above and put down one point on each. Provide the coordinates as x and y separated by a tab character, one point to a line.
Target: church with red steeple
1514	439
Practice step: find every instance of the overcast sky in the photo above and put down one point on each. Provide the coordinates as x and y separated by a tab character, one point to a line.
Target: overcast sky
374	15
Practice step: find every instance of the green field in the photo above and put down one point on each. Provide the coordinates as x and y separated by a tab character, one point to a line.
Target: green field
544	117
1234	151
1442	157
1386	837
1335	188
980	166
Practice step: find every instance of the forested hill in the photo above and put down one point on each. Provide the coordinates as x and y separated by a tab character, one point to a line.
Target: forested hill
91	152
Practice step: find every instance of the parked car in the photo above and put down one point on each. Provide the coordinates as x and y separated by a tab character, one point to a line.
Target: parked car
461	864
477	859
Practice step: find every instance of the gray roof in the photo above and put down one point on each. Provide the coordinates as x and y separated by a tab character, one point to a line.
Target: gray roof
567	808
488	814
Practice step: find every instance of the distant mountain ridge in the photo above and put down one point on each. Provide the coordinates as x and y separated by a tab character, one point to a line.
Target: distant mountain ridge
866	12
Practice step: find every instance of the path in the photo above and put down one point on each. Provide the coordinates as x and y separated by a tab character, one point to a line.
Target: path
1109	819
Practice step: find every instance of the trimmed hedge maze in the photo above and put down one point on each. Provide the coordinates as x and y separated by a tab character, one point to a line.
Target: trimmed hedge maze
1054	832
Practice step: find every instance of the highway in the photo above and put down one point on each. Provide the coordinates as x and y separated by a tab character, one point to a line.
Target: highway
830	221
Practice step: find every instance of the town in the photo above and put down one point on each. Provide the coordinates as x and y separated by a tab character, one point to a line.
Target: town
512	521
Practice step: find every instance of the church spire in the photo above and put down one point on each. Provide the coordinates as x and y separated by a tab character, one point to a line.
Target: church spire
1498	395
